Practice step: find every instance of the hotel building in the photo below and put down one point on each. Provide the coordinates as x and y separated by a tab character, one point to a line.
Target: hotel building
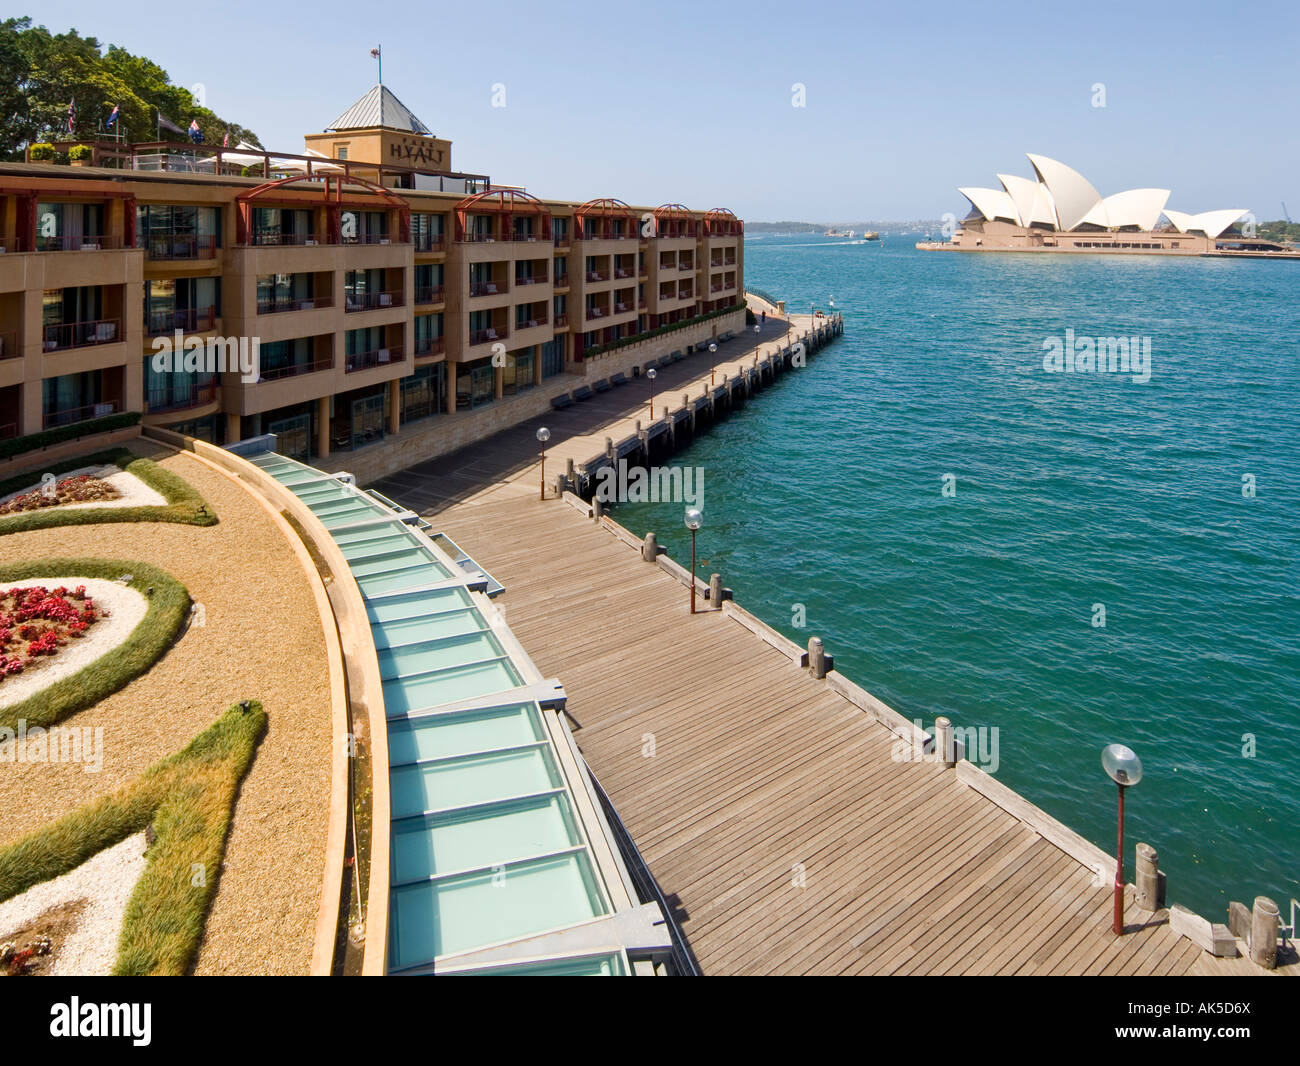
403	308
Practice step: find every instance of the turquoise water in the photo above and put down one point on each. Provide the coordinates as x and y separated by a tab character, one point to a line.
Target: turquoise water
1071	490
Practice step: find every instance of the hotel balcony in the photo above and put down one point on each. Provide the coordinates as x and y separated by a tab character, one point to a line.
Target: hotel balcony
500	287
170	247
562	240
186	319
561	322
307	303
430	243
84	243
430	346
597	276
561	283
373	301
294	370
491	335
371	359
81	334
72	415
184	399
430	294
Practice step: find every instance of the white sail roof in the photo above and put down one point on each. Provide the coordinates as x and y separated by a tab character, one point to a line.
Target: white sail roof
1136	207
992	203
1072	193
1211	223
1032	200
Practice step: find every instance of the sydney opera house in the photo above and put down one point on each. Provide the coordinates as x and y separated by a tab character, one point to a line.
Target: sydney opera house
1058	210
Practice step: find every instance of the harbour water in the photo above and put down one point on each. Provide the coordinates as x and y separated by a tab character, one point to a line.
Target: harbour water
1073	498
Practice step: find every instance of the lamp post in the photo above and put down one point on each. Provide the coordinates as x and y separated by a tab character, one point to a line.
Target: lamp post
1125	769
651	374
713	354
694	519
757	329
543	435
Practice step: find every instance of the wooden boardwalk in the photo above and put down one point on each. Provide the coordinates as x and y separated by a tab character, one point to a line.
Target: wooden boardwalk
767	805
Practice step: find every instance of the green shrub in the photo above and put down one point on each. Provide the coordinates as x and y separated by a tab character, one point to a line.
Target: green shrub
81	151
42	152
47	438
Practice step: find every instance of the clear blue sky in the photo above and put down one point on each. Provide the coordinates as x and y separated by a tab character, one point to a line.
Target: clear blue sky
905	101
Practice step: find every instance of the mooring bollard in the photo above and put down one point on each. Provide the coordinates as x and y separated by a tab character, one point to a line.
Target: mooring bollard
650	549
609	448
945	742
569	472
715	591
1264	920
1147	880
597	508
816	657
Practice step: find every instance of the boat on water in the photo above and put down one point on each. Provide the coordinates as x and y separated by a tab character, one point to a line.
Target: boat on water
871	235
833	232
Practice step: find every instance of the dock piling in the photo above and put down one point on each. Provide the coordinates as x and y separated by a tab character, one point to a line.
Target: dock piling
715	591
1148	880
816	657
1264	921
650	549
945	741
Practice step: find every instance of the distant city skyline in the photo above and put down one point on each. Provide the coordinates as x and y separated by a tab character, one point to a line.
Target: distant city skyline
899	106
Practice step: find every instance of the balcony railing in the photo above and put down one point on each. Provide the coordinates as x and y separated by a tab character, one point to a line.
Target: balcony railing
71	415
715	288
294	370
488	288
11	244
275	237
641	304
287	303
561	320
562	281
367	238
81	334
492	333
195	395
729	261
665	266
686	266
562	240
373	301
620	309
622	272
490	237
715	263
377	357
595	312
430	242
530	323
531	279
430	346
85	243
596	275
173	246
430	294
9	345
188	319
684	294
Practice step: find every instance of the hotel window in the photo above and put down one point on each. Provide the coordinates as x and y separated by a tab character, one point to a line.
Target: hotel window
284	358
181	303
178	231
423	393
560	229
60	227
364	227
274	225
283	292
340	151
517	374
552	358
561	269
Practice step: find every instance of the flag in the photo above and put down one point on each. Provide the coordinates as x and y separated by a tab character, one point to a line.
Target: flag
374	53
72	113
168	125
225	141
112	118
196	134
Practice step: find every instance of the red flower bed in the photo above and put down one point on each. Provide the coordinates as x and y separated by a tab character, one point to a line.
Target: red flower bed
80	489
36	622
